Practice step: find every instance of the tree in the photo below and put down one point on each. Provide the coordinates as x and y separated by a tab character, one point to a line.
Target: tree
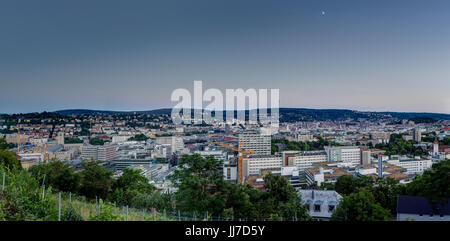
347	184
129	185
59	175
96	141
283	198
360	206
385	191
433	184
200	184
9	160
5	145
96	181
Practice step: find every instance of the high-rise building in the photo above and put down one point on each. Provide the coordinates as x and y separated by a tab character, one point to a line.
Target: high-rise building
435	148
365	156
417	135
256	142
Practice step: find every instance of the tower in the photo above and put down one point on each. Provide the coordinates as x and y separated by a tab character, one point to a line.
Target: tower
435	148
380	165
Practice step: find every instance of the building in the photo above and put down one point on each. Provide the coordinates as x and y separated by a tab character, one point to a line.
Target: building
253	164
380	137
306	159
257	143
412	165
176	143
217	154
435	148
417	135
120	138
346	154
100	153
420	209
321	204
365	157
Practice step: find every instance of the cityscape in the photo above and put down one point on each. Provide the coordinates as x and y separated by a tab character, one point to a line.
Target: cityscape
225	119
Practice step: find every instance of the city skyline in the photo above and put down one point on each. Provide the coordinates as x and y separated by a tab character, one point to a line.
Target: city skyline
358	55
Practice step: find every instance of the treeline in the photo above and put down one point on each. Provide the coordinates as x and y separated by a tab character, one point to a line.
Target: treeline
398	146
301	146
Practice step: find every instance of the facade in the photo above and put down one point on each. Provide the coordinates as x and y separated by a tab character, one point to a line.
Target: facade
321	204
255	163
417	135
306	159
365	157
100	153
413	166
346	154
257	143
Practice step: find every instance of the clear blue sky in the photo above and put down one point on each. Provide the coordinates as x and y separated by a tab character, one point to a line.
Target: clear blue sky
130	55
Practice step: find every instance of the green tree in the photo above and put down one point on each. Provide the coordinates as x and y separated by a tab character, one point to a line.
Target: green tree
360	206
59	175
200	184
9	160
433	184
385	191
129	185
95	180
282	197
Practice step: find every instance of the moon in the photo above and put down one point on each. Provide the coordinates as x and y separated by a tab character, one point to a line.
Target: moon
323	12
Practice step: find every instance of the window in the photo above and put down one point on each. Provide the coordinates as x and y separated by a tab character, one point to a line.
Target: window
316	208
330	208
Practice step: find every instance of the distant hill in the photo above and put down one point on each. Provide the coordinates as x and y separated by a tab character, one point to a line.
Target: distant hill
292	114
108	112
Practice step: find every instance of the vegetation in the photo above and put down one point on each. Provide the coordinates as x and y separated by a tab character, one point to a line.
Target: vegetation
398	146
360	206
72	140
8	158
201	188
96	141
302	146
138	137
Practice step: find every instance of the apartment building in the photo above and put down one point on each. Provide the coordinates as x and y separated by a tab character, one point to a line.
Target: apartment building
257	143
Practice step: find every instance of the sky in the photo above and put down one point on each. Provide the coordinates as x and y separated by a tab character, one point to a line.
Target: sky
383	55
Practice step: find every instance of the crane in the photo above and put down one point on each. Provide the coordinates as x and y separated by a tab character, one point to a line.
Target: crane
239	151
18	139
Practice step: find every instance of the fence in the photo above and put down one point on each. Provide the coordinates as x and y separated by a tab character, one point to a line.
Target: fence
97	209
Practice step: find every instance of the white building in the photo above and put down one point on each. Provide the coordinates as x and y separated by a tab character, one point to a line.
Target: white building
254	164
321	204
100	153
257	143
217	154
346	154
412	165
306	159
176	143
120	138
